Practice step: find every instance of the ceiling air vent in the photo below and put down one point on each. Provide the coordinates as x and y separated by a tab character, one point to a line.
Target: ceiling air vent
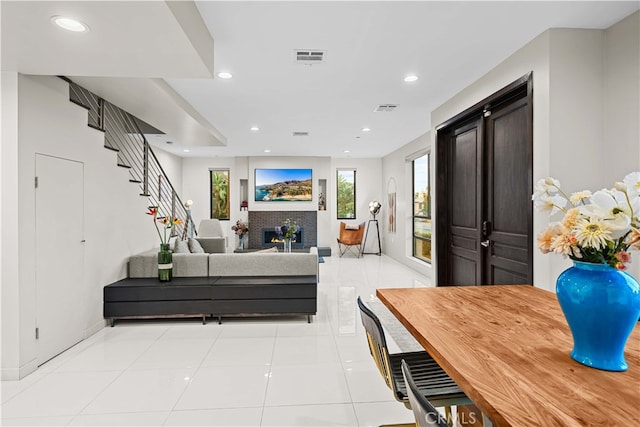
309	56
385	108
300	133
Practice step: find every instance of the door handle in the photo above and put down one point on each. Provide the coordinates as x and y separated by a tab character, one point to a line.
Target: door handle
485	243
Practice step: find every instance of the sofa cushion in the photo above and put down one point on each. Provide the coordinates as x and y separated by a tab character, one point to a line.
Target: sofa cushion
264	264
145	264
190	265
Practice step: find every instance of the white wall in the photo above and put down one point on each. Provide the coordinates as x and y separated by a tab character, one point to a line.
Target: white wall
172	166
621	98
368	187
532	57
571	92
399	245
195	184
115	224
321	169
622	105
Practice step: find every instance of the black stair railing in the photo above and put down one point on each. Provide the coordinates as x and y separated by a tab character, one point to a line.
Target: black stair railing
122	134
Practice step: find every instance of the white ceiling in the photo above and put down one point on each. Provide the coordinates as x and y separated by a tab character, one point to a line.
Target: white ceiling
370	47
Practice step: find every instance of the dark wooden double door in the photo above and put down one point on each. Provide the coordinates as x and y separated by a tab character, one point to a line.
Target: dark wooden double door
484	175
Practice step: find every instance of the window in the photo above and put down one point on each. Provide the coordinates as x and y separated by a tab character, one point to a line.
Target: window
421	208
346	190
219	183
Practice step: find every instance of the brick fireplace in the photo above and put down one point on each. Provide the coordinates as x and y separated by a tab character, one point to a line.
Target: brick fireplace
261	222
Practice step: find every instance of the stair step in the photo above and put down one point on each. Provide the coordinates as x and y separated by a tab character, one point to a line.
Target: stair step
111	148
124	166
145	194
135	181
79	104
95	127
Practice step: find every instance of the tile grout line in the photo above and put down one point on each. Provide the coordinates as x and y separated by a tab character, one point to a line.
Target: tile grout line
266	389
73	418
195	372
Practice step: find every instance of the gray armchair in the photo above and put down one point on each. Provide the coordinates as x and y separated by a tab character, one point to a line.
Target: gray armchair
211	237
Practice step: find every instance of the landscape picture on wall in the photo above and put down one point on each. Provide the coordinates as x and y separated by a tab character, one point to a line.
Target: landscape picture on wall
283	185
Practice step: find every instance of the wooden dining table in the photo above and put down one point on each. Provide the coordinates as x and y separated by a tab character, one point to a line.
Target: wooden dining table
508	348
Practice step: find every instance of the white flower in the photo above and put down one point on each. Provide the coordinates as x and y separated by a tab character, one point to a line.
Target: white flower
597	227
553	184
551	204
592	233
617	223
620	186
579	197
632	181
615	202
543	189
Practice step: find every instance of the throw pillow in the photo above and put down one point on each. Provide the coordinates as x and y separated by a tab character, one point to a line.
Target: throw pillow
181	247
351	227
195	247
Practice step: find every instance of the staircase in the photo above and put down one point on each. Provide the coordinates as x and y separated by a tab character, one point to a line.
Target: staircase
122	134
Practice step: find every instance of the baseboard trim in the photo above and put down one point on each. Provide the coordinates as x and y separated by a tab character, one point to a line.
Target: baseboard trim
15	374
94	329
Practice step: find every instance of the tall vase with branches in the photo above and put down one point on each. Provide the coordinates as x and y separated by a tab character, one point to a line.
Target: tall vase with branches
165	258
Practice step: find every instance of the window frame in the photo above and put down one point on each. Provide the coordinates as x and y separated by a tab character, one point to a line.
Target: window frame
212	212
338	210
415	237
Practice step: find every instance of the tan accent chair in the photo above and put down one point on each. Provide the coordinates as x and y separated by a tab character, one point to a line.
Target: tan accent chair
351	239
211	236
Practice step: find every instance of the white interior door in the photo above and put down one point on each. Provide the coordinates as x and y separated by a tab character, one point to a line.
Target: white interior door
59	254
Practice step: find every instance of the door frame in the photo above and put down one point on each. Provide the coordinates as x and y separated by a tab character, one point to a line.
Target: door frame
522	87
58	326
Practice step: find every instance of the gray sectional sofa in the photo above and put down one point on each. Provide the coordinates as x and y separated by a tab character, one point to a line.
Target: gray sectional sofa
228	264
217	285
145	264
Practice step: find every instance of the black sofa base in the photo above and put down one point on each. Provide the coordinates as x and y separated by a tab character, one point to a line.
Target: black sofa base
204	297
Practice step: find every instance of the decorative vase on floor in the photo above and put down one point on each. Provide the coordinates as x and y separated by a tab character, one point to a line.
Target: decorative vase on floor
602	306
241	242
165	263
287	245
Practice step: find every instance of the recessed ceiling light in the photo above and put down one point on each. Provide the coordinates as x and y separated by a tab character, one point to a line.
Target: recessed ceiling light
347	151
186	150
365	129
411	78
225	75
267	150
255	128
70	24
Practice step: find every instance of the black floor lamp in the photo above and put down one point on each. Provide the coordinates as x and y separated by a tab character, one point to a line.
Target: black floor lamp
374	208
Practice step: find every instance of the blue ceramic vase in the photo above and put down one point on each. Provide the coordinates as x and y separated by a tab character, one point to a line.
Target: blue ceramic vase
602	306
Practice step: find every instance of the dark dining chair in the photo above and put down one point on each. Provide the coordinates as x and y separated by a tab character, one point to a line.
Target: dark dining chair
432	382
425	413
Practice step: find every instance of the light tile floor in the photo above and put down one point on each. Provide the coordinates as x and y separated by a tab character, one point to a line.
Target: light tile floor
245	372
